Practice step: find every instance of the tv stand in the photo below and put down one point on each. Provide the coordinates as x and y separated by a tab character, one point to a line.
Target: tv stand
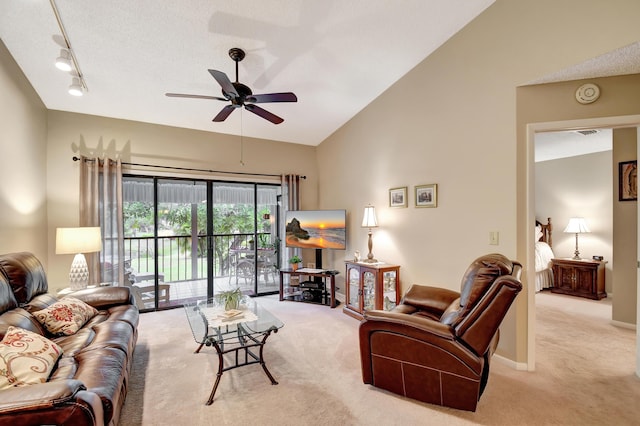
310	287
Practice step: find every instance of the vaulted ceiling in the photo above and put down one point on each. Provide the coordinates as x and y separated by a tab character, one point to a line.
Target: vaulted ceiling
335	55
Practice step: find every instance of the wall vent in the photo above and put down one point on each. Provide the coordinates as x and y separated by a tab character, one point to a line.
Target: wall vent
588	132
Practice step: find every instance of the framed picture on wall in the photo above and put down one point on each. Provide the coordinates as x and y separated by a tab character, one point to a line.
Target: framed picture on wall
628	181
398	197
427	195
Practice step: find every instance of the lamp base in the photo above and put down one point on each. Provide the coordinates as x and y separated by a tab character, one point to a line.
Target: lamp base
372	260
79	273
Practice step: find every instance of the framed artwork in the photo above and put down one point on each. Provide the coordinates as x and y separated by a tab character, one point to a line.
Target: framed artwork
427	195
628	181
398	197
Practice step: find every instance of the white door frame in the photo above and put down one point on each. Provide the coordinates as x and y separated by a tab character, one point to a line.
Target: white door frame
558	126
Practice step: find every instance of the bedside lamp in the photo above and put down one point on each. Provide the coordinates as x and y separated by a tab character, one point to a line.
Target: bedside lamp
369	221
577	225
78	241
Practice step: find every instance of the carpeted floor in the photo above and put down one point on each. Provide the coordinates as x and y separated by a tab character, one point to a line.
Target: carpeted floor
585	375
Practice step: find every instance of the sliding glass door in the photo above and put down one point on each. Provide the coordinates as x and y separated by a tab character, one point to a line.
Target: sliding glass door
189	239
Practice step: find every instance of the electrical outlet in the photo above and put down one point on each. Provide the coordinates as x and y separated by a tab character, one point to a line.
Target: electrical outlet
494	238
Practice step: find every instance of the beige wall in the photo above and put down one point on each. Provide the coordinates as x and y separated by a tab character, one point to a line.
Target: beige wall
579	186
625	234
452	121
72	134
23	209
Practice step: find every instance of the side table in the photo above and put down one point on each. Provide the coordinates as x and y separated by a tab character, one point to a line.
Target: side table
579	277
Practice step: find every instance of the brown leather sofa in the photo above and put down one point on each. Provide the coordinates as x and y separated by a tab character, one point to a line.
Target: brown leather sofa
435	346
88	384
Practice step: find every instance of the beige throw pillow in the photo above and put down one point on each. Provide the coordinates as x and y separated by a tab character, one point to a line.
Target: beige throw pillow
26	358
66	316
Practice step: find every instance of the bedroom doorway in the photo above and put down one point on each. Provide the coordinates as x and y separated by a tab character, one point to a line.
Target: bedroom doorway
532	129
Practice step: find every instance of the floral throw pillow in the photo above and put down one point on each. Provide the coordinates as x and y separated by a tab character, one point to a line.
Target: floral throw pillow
26	358
66	316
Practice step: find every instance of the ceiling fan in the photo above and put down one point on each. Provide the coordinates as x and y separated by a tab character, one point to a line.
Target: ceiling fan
240	95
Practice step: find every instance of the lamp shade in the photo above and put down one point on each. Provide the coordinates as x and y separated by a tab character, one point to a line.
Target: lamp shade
78	240
369	219
577	225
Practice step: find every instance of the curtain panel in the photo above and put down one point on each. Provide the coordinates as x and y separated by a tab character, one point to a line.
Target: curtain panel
291	201
101	205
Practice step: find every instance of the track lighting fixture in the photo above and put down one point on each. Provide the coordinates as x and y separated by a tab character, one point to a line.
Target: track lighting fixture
67	61
63	62
75	89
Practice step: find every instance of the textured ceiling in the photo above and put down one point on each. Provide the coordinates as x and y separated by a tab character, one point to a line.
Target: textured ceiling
335	55
554	145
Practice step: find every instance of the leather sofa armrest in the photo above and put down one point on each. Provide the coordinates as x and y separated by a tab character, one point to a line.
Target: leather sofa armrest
104	297
434	300
55	402
39	395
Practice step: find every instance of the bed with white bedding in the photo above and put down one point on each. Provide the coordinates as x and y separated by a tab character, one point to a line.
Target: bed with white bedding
544	254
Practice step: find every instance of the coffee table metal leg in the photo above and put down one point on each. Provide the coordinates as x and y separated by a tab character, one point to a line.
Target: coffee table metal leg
262	363
219	374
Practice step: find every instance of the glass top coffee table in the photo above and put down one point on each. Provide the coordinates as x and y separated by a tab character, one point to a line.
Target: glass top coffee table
243	335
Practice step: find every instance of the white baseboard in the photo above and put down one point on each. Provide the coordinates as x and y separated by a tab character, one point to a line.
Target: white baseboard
520	366
623	324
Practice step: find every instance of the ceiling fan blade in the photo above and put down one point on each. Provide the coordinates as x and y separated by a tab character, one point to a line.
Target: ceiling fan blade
272	97
224	82
264	114
224	113
184	95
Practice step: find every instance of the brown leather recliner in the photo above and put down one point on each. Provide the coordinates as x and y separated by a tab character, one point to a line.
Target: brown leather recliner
435	346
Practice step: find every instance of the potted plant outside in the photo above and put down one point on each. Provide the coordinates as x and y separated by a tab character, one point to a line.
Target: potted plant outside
295	261
230	298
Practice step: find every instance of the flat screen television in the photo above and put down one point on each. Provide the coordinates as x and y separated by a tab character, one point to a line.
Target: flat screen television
316	229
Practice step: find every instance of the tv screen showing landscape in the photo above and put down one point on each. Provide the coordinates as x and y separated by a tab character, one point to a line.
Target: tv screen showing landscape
319	229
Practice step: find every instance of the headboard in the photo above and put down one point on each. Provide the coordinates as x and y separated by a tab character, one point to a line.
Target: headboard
546	231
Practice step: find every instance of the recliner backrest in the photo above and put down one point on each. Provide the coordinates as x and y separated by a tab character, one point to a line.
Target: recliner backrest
25	275
479	326
479	276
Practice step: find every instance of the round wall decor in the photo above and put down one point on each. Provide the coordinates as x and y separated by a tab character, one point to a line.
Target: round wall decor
587	93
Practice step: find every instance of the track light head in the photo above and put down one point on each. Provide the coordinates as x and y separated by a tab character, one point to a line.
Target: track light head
63	62
75	89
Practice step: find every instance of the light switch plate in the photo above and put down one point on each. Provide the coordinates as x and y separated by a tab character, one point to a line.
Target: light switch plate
494	238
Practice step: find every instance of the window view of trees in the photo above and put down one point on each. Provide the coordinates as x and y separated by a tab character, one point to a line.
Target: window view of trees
233	227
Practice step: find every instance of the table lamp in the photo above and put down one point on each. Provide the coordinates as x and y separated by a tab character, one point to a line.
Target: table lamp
369	221
78	241
577	225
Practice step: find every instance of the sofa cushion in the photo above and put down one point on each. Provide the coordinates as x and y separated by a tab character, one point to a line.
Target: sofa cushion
26	358
66	316
7	299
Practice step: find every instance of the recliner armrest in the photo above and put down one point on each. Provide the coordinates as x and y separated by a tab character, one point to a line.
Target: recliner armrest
434	300
417	322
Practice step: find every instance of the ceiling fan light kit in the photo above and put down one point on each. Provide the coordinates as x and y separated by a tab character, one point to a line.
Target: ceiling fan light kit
240	95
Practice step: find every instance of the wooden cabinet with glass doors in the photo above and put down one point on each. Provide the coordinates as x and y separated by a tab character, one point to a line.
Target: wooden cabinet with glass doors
371	286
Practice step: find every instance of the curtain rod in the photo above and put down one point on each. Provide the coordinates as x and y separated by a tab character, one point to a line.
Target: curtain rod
191	169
